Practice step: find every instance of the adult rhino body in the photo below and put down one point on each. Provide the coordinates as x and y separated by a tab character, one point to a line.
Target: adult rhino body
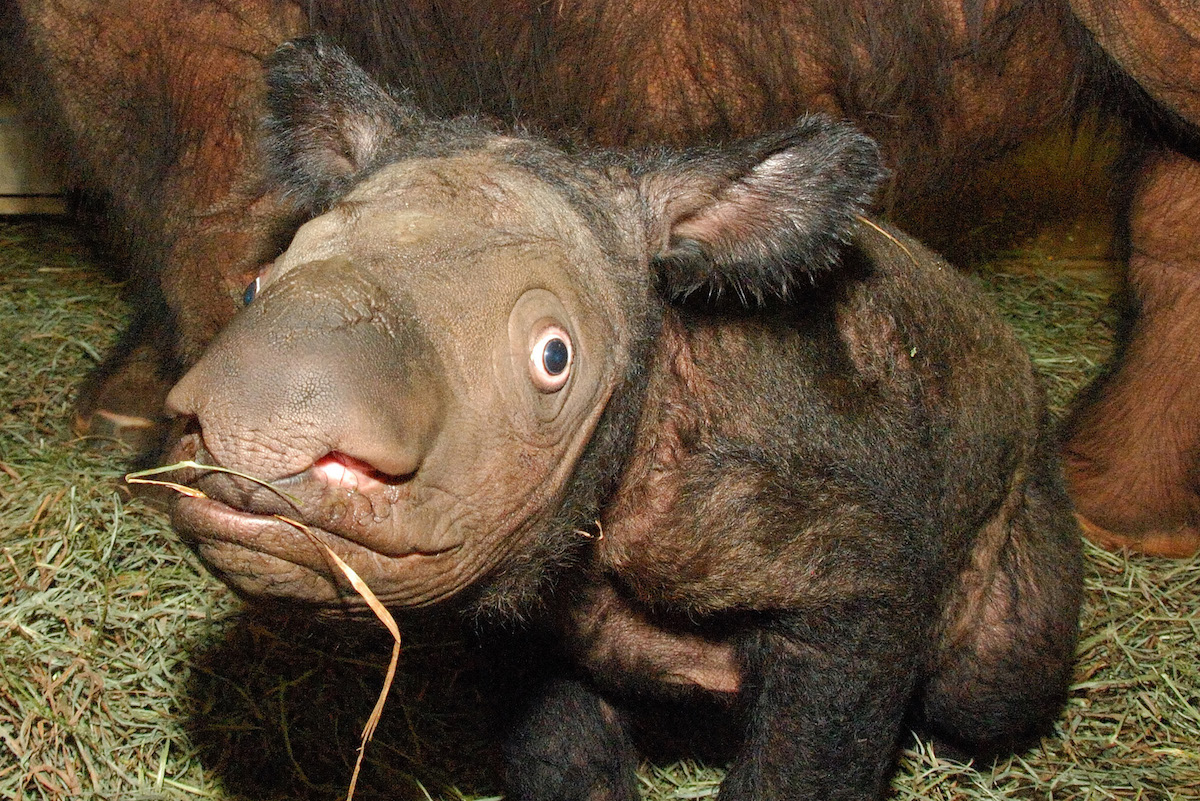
157	104
812	463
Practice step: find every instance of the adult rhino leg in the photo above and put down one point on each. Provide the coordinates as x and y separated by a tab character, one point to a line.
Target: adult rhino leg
155	103
122	398
1133	441
1133	453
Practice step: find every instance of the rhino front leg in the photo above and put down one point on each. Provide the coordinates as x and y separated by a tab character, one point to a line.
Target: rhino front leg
1133	446
824	700
571	745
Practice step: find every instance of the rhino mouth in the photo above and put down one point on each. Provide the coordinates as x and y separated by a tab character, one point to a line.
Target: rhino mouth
270	538
263	557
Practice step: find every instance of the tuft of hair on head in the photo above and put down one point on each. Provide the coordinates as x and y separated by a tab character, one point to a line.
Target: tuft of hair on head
759	217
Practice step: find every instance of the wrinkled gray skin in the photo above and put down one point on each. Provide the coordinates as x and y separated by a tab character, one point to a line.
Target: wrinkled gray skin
397	330
793	462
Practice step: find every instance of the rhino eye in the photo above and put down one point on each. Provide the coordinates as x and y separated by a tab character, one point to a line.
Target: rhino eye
251	291
550	360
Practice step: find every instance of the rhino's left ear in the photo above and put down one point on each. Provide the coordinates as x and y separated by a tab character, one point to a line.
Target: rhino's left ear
328	123
756	218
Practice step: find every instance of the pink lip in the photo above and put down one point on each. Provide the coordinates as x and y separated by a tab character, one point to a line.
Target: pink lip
339	470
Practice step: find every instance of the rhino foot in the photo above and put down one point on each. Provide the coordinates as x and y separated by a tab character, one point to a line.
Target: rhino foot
1179	544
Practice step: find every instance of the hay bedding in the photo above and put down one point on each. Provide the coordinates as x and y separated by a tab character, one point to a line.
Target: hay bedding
126	672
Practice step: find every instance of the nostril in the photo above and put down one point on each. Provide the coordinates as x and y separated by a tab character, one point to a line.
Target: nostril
185	442
342	470
190	441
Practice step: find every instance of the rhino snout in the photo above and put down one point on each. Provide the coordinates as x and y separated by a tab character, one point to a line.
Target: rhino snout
304	378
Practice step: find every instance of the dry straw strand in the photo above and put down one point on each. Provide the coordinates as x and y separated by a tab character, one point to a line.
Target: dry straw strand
360	586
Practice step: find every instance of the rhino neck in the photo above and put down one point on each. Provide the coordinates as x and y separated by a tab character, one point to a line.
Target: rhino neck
644	500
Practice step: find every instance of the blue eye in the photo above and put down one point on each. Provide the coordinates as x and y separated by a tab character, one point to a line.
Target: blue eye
556	356
550	359
251	291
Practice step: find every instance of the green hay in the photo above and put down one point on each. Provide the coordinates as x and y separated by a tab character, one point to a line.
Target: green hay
126	672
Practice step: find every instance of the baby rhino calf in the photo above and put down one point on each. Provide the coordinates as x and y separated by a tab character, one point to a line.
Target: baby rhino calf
720	433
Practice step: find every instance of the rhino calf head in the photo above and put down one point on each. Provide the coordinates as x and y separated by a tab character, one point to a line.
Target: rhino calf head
442	374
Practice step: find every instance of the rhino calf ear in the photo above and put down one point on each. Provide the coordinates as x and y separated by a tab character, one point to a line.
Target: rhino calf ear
757	218
328	123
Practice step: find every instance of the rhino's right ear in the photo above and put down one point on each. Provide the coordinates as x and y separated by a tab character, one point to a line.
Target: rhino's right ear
757	219
328	123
